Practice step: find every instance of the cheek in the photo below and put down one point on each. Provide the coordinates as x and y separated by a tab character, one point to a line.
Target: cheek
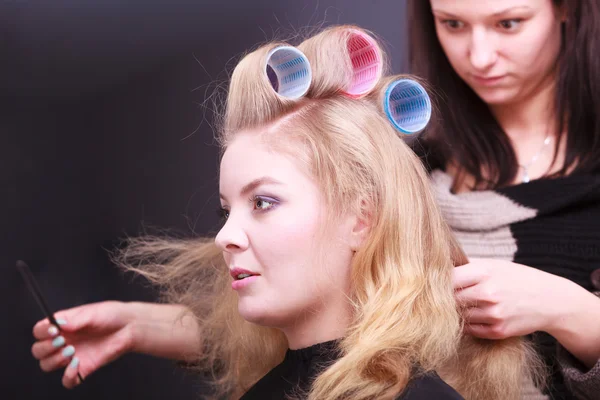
455	50
290	240
537	52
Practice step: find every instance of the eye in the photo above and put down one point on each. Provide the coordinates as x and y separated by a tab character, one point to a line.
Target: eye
262	204
453	24
223	213
510	24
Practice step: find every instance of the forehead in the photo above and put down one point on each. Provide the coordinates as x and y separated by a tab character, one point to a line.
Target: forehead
251	155
485	7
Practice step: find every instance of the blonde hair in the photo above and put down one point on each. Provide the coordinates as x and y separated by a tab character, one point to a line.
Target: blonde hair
405	314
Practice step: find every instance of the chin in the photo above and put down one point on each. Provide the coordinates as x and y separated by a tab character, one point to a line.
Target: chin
262	313
256	312
496	97
250	312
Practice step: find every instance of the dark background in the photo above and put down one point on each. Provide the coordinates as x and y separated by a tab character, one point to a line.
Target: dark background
103	131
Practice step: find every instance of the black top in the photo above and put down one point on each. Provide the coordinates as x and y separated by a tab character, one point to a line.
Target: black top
293	377
549	224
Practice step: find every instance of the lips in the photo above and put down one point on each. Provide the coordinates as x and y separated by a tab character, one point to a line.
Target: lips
239	274
488	80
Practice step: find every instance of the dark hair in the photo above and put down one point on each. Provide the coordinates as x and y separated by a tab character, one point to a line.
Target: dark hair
466	131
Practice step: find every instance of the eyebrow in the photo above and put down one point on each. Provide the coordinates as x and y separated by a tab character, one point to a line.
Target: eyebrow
265	180
496	14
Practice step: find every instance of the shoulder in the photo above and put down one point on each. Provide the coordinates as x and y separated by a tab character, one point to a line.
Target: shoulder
429	386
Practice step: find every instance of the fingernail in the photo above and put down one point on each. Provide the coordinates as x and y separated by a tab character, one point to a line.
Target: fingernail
61	321
74	362
58	341
68	351
53	331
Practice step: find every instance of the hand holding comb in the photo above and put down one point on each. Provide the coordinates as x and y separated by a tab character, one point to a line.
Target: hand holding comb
37	294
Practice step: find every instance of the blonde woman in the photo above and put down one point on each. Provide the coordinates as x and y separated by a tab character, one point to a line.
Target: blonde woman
337	281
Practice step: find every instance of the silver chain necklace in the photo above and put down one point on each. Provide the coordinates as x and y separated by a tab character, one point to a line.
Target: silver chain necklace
526	177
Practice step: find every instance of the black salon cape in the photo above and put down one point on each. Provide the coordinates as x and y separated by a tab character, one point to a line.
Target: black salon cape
293	377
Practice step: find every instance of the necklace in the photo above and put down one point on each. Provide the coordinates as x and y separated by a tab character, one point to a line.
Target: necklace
526	167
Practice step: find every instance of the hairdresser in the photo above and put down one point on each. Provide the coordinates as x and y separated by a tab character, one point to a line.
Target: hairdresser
514	158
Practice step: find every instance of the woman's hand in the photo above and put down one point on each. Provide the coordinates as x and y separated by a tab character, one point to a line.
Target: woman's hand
93	335
501	299
90	337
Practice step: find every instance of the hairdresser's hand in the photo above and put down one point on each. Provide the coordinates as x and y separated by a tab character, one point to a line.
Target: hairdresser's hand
102	332
502	299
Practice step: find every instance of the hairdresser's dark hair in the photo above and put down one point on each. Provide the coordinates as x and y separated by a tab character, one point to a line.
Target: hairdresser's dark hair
466	131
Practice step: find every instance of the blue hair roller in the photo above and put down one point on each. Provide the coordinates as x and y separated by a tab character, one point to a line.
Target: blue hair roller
288	71
407	106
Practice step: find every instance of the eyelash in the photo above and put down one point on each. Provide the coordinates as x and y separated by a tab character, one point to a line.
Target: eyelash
515	20
447	22
223	213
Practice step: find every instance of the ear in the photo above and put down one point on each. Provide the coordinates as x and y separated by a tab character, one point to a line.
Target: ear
360	226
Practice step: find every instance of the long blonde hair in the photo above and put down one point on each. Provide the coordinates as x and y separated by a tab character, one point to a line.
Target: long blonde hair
405	314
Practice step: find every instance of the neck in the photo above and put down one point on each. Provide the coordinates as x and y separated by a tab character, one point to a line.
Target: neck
532	118
321	324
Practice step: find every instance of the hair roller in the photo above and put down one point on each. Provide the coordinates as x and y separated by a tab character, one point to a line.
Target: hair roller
266	83
407	105
345	60
367	63
288	71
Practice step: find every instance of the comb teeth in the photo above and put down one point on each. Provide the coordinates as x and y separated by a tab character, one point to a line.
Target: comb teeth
289	71
366	64
408	106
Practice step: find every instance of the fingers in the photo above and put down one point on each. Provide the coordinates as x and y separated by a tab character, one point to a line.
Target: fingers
70	377
481	295
44	329
70	320
468	275
486	331
57	360
45	348
489	315
52	357
84	316
469	297
485	322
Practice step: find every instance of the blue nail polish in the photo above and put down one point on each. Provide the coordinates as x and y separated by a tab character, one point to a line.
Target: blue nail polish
58	341
61	321
68	351
74	362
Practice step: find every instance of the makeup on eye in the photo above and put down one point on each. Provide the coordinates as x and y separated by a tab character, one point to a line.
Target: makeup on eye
263	203
260	203
222	213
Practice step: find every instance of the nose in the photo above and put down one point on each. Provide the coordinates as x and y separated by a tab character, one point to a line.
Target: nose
232	238
482	52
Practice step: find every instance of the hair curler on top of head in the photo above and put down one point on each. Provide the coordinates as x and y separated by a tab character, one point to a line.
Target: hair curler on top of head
340	61
288	71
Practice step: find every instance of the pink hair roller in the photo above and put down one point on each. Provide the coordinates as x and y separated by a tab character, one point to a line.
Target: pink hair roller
367	63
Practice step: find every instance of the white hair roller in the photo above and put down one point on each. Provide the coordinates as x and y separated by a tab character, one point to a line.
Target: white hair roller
289	72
